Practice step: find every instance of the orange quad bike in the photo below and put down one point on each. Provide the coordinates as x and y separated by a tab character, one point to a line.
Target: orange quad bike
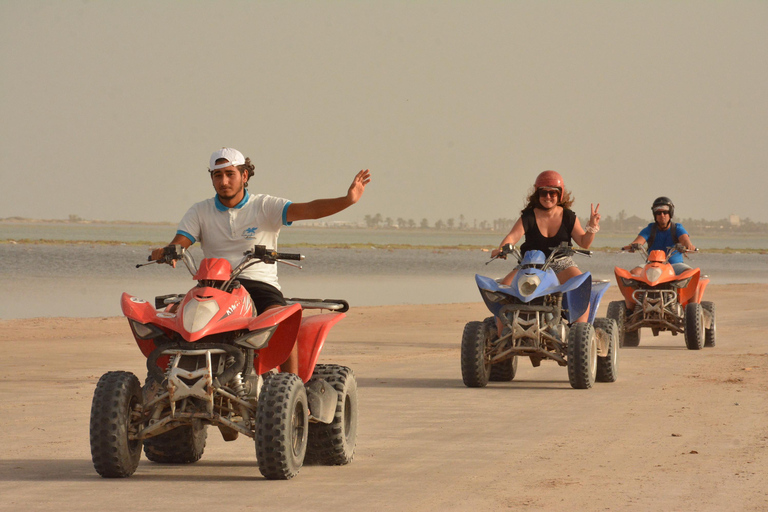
659	299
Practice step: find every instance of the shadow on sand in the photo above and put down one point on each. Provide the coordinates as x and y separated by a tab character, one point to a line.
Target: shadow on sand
81	470
417	383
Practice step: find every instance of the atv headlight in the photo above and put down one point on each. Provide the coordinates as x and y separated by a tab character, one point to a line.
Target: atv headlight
493	296
197	314
653	274
682	283
145	331
527	284
256	339
631	283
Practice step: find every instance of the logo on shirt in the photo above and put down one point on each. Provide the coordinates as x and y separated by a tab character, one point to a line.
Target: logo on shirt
250	232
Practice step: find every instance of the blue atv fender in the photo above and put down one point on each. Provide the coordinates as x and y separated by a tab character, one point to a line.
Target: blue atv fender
598	290
576	291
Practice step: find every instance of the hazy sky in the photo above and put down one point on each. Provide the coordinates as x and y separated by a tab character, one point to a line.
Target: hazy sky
110	110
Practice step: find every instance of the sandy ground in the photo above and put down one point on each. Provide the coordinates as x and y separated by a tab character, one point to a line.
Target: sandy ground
680	430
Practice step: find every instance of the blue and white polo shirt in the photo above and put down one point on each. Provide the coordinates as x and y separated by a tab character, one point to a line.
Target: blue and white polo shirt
228	232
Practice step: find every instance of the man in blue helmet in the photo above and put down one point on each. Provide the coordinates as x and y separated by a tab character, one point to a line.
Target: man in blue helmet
662	233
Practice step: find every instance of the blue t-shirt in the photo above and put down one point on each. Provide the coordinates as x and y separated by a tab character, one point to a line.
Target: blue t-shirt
664	240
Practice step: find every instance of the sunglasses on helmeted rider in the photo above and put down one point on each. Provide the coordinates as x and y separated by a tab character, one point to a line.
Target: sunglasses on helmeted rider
545	192
660	212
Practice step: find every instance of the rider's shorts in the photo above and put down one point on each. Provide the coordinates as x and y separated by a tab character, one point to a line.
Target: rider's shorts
264	295
561	264
680	268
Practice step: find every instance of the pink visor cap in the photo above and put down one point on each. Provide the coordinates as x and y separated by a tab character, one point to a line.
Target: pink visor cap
231	155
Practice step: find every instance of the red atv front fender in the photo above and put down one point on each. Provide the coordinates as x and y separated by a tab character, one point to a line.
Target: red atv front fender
288	319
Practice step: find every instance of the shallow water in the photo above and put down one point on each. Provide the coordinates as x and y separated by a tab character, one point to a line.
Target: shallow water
87	280
299	234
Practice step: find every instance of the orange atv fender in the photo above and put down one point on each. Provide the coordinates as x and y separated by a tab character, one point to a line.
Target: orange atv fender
626	291
703	282
690	292
288	320
312	334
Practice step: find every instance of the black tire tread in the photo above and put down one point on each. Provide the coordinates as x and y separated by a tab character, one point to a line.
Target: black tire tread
694	328
274	452
182	445
617	310
580	336
329	443
475	371
607	368
503	371
710	334
113	455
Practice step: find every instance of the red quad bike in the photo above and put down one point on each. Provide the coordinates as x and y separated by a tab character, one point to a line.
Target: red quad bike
663	301
211	361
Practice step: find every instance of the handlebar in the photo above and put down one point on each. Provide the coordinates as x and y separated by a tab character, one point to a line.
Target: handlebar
561	251
171	253
271	256
259	253
644	252
505	250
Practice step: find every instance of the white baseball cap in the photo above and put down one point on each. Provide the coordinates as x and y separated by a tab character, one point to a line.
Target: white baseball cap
231	155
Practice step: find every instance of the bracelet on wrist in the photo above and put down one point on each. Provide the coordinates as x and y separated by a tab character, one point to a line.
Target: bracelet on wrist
592	229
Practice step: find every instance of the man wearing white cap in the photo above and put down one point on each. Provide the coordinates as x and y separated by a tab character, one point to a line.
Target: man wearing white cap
234	220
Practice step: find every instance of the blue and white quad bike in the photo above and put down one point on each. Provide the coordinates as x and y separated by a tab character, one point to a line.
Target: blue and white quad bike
538	315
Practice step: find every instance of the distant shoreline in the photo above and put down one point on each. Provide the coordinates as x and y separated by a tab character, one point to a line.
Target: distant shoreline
357	246
82	222
335	236
350	226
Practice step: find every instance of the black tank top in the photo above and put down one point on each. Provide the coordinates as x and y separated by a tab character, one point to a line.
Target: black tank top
534	240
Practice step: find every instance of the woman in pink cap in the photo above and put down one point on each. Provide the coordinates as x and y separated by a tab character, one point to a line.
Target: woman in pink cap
546	221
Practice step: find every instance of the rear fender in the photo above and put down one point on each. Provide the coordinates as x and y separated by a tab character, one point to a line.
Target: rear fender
288	320
312	333
576	293
703	282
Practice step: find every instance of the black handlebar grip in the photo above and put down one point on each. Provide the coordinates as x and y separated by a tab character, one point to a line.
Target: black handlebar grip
288	256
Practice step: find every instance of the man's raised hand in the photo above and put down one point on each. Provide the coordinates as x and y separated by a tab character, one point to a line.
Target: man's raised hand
357	187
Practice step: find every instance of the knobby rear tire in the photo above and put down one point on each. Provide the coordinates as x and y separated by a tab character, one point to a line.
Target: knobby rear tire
709	334
333	444
503	371
608	365
182	445
617	310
